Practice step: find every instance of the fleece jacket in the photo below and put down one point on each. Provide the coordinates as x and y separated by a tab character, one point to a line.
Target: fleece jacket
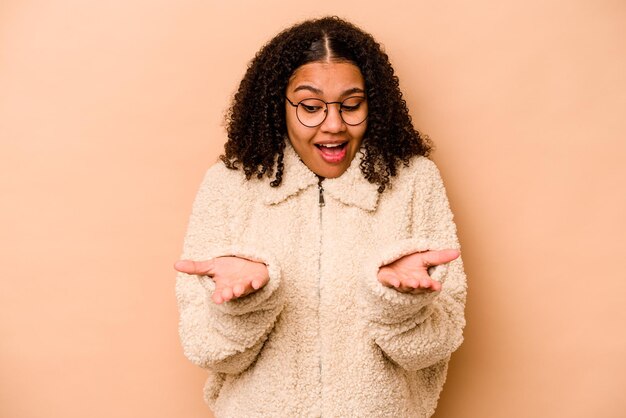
324	338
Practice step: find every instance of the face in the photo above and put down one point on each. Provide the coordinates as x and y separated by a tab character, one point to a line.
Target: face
327	149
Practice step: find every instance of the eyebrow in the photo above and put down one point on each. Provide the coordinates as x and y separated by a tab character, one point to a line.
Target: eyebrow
318	91
353	90
307	87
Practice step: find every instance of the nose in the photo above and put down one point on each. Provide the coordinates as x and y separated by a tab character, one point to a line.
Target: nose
333	121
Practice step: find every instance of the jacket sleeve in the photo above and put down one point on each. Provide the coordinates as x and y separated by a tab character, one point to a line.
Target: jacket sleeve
417	331
227	337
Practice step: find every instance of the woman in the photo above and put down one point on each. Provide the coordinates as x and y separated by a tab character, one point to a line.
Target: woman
320	272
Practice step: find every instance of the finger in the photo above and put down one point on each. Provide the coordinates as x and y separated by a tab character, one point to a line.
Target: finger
412	290
256	284
405	289
436	257
238	289
420	284
388	280
430	288
407	284
195	267
217	297
414	282
227	294
430	285
391	281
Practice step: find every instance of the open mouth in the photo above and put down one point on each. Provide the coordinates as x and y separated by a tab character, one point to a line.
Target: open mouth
333	153
332	147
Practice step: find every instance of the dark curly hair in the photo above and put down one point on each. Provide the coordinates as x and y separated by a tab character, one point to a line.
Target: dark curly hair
256	124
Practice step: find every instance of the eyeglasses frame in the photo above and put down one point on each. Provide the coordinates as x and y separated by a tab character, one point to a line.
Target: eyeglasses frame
326	111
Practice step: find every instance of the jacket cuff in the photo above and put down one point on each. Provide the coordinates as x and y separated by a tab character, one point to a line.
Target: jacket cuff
386	305
266	298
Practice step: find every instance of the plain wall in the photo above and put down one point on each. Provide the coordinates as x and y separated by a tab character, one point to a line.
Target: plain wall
110	112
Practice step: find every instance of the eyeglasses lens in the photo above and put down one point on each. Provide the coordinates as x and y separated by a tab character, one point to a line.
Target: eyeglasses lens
312	112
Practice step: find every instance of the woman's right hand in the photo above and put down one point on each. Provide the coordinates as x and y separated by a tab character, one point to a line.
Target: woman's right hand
234	277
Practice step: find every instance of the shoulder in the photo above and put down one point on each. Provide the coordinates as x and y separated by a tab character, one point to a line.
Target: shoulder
221	186
219	172
419	180
419	170
220	177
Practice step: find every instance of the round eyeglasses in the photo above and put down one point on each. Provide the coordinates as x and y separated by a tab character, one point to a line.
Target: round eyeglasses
312	112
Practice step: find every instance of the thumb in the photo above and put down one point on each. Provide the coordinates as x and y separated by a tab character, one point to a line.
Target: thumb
436	257
195	267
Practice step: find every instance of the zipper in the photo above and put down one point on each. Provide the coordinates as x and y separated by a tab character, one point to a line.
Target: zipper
321	199
319	290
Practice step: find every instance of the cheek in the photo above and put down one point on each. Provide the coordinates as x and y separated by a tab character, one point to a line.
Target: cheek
358	132
298	132
292	123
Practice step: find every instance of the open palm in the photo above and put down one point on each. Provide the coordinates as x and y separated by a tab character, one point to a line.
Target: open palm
234	277
409	274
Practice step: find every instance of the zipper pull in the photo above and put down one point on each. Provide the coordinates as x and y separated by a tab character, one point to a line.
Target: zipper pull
319	185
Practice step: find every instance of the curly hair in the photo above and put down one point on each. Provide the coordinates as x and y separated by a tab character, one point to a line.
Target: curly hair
255	121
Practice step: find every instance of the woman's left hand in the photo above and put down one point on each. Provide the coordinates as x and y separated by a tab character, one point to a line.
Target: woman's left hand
409	274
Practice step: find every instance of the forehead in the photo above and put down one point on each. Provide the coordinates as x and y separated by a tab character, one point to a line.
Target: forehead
328	77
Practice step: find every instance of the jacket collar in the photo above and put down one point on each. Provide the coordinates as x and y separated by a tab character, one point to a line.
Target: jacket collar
351	188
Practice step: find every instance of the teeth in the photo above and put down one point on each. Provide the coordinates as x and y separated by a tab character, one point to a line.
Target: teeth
330	145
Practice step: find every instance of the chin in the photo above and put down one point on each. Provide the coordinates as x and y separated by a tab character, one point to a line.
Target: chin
331	172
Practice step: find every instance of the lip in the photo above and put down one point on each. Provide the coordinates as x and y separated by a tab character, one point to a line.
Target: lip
338	153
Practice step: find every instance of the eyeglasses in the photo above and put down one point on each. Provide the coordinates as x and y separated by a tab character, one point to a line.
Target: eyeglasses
312	112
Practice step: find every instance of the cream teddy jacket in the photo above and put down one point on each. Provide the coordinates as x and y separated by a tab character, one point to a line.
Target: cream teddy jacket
323	338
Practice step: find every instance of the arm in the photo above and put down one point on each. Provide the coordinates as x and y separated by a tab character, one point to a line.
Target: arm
225	337
418	330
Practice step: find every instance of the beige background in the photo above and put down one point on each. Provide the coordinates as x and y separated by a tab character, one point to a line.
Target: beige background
111	111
